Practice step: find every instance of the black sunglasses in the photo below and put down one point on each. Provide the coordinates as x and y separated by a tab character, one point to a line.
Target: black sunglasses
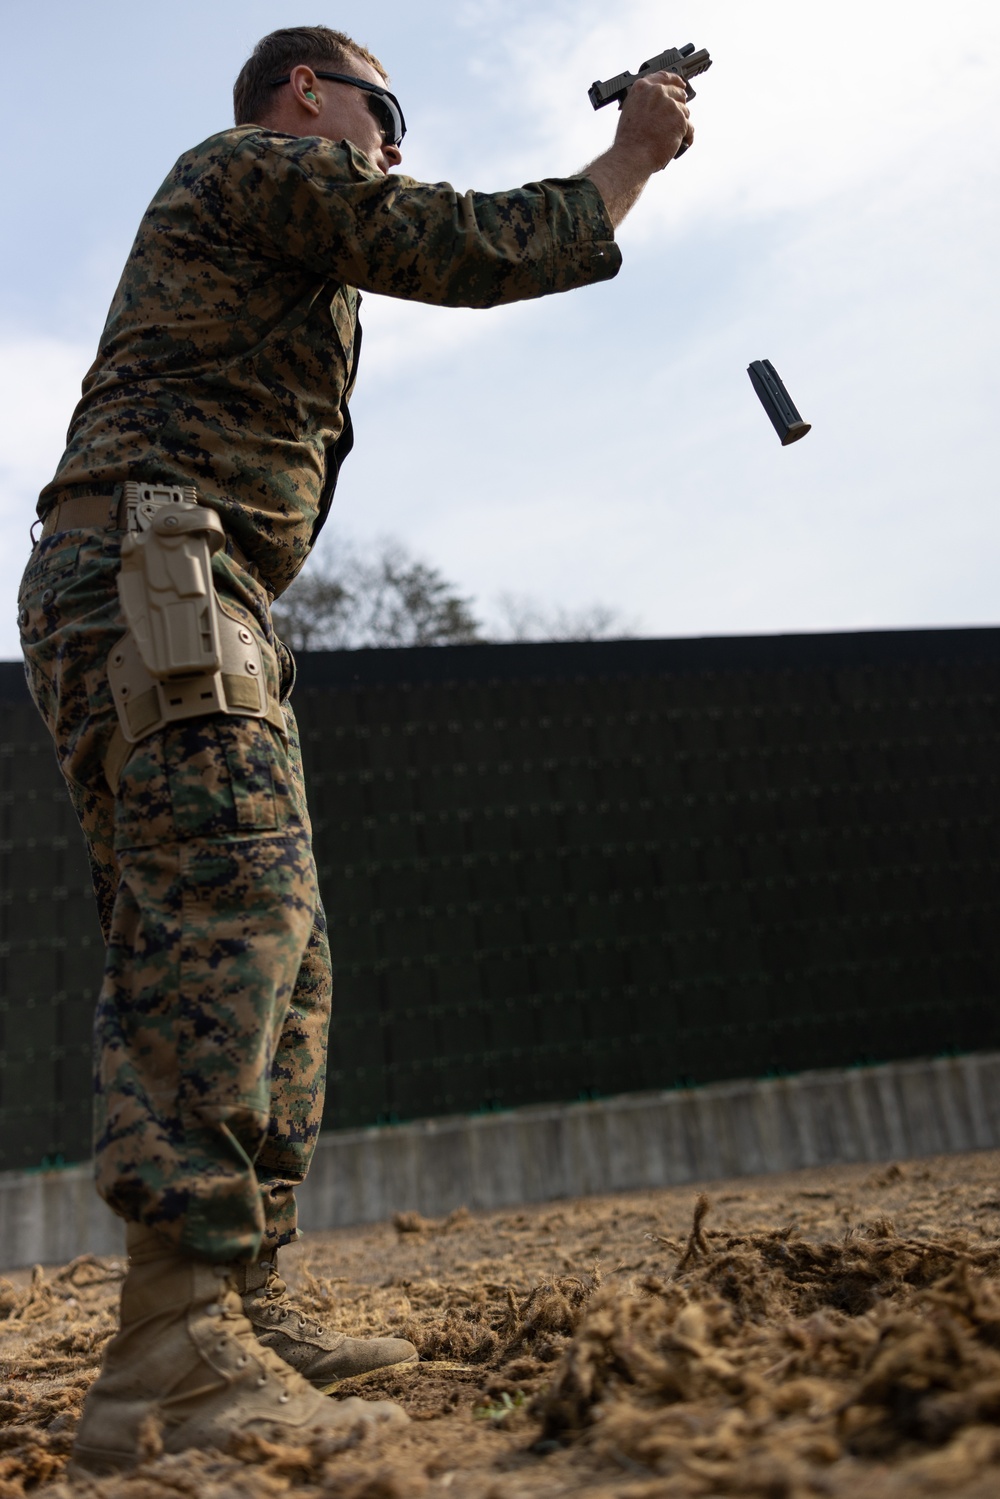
383	105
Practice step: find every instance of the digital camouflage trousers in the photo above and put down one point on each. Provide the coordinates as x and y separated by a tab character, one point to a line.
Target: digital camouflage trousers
211	1026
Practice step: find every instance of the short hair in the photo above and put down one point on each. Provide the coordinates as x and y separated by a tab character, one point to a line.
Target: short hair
292	47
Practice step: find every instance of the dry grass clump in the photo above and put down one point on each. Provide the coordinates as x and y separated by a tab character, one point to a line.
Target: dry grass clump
416	1223
51	1337
759	1363
849	1348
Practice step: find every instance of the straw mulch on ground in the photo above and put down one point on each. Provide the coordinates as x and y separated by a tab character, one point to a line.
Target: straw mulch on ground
832	1333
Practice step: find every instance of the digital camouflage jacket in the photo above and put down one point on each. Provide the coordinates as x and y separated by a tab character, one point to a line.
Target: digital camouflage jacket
229	352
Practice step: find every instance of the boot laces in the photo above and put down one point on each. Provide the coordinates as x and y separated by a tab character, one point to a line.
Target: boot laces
273	1305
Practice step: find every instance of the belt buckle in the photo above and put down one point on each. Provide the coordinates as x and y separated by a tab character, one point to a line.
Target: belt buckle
142	501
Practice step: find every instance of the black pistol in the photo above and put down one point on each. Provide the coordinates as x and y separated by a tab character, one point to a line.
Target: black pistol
684	61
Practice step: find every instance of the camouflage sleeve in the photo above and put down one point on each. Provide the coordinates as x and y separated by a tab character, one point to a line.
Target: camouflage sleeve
323	206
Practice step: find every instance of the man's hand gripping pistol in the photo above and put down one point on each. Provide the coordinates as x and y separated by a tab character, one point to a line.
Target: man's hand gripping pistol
684	61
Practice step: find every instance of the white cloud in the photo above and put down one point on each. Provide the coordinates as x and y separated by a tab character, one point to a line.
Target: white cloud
402	337
798	124
801	100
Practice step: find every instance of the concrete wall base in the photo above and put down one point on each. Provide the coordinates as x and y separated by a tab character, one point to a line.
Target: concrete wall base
900	1110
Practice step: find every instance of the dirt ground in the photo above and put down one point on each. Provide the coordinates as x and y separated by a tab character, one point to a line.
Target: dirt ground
832	1333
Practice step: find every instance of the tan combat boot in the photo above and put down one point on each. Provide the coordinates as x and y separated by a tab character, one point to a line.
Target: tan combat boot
324	1358
186	1360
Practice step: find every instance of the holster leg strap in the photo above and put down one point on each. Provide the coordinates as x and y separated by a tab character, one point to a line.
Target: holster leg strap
144	704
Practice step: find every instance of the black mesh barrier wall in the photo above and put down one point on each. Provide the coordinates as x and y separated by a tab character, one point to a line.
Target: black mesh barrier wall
50	947
562	871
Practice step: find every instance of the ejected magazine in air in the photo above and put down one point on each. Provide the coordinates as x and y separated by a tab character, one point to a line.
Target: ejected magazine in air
776	401
684	61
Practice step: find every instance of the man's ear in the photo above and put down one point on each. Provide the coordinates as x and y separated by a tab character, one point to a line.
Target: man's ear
304	83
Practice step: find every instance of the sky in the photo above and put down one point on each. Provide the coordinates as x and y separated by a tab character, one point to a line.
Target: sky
838	215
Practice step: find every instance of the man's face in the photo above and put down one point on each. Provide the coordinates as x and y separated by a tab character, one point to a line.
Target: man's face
345	114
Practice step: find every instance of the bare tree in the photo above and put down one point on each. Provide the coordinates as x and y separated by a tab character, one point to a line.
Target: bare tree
313	614
346	599
382	595
524	618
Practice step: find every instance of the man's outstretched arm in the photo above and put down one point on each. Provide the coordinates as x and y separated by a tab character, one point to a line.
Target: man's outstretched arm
323	205
654	123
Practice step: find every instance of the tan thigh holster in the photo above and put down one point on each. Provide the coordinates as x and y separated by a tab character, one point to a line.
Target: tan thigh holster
182	655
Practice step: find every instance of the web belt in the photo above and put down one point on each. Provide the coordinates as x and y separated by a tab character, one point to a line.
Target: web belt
107	511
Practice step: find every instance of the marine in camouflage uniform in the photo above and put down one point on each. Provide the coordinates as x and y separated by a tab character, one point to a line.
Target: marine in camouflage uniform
227	362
